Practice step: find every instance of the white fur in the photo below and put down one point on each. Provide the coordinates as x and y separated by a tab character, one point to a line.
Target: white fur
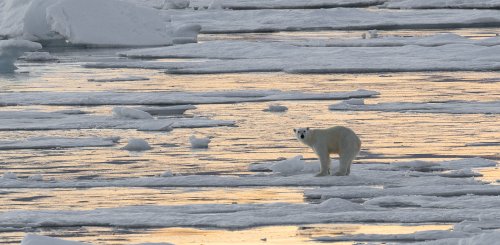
340	140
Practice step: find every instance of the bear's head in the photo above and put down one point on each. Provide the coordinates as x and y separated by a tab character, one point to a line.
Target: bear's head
301	133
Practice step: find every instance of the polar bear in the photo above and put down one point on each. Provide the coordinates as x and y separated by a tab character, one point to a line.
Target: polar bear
340	140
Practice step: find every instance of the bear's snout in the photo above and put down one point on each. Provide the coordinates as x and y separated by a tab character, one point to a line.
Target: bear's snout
301	136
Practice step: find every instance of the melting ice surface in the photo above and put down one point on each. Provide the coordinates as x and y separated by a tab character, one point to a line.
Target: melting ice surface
427	172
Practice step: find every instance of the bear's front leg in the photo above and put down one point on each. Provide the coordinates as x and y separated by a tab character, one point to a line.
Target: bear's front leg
325	161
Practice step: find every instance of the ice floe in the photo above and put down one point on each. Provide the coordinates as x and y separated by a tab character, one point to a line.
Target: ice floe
167	110
130	113
56	142
38	57
57	121
10	50
169	98
395	41
276	108
453	107
32	239
434	4
374	193
285	4
398	182
197	143
337	18
136	144
118	79
246	56
417	236
93	22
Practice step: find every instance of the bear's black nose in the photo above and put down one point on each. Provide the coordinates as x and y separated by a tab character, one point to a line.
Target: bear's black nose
301	136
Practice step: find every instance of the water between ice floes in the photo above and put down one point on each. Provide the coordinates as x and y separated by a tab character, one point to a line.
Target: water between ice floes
259	136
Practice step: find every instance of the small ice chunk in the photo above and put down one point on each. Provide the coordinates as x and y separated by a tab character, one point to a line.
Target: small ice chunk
373	34
38	56
355	101
136	144
167	173
10	50
32	239
199	142
130	113
156	125
215	5
289	166
460	173
36	177
9	175
415	165
187	33
119	79
276	108
176	4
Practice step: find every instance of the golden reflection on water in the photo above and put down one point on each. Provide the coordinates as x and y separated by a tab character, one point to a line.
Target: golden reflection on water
262	235
111	197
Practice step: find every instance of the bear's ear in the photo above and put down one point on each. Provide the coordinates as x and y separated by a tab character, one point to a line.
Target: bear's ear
307	128
295	130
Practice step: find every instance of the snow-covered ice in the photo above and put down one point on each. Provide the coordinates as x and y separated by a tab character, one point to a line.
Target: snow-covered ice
38	57
396	41
170	98
246	56
56	142
186	34
93	22
10	50
167	110
422	197
201	142
434	4
118	79
333	19
285	4
58	121
276	108
136	144
32	239
130	113
9	175
453	107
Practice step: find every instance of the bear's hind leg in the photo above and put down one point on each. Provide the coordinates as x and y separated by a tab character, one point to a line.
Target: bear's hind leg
345	161
325	161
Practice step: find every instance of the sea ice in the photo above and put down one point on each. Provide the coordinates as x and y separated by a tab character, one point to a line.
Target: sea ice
435	4
9	175
93	22
167	110
136	144
199	142
246	56
10	50
56	142
332	19
276	108
286	4
169	98
38	57
454	107
186	34
130	113
32	239
118	79
57	121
